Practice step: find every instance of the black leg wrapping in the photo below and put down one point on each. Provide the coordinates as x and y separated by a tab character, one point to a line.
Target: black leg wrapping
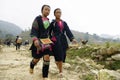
45	69
32	64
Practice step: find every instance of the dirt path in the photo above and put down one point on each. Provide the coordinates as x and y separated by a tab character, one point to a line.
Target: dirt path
14	65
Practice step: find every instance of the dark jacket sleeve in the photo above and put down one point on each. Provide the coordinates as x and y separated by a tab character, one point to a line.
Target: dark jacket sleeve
68	32
35	29
51	29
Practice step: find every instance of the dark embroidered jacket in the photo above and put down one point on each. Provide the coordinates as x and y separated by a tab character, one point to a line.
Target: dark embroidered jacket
38	30
61	35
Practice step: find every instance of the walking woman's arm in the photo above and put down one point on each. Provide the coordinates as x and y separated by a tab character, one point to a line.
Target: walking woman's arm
68	32
50	29
34	31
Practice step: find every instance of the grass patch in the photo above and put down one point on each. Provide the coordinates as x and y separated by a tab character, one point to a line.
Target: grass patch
115	65
89	77
83	53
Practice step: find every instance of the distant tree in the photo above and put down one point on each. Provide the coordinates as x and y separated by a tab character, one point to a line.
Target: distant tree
107	44
95	36
116	40
86	36
9	36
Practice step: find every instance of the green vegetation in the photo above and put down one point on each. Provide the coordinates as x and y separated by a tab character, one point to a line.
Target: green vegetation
26	35
113	65
107	44
86	52
83	52
89	77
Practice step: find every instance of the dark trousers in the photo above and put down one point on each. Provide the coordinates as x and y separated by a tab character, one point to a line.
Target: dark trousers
18	46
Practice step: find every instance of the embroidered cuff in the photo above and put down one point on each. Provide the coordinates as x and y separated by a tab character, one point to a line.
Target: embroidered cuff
34	38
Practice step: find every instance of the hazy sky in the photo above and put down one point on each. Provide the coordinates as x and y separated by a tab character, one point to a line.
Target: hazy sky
93	16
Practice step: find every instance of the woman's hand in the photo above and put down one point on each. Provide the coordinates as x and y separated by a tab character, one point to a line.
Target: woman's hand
37	43
74	41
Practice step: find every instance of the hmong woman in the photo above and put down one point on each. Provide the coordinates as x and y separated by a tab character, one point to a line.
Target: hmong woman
40	29
57	31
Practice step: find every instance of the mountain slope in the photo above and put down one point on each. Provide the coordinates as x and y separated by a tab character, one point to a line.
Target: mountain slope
9	28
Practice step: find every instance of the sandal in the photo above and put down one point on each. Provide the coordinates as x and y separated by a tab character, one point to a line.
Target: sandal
31	71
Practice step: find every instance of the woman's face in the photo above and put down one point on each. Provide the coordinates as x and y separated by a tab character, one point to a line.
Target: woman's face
46	11
58	14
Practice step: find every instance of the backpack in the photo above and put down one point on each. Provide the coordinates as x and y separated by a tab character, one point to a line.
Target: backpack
19	40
